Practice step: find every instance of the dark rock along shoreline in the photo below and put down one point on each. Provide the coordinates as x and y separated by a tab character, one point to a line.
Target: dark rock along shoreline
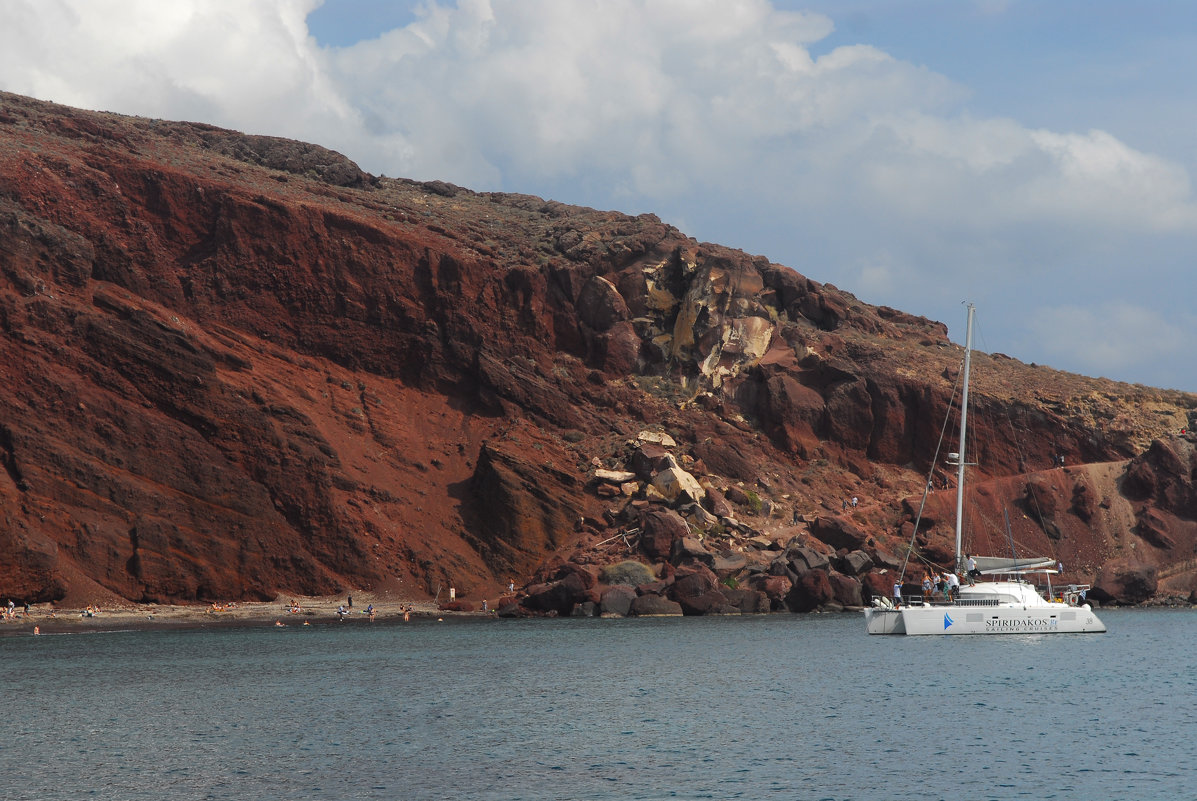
238	367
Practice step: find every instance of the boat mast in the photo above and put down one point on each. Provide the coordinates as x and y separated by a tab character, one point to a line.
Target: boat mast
968	348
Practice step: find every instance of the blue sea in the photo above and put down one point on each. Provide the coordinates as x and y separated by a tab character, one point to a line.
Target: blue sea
770	707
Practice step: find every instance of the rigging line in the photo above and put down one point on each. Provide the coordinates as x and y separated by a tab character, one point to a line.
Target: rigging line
931	475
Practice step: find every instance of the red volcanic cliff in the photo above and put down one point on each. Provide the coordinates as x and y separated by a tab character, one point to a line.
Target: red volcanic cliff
238	366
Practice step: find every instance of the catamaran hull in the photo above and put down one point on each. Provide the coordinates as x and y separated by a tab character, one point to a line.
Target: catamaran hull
1053	619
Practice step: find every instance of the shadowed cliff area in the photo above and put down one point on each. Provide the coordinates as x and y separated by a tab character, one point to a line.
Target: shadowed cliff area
237	366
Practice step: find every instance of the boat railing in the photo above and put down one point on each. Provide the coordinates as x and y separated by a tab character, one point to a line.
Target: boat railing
920	600
1071	594
977	602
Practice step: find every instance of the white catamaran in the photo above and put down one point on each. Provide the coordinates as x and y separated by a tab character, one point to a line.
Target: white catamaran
1009	606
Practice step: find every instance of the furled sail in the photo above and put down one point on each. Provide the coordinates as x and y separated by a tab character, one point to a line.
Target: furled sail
989	565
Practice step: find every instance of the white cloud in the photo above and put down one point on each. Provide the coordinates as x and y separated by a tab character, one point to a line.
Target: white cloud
250	66
1108	338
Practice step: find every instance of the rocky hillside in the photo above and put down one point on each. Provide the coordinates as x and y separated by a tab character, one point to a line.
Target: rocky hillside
237	366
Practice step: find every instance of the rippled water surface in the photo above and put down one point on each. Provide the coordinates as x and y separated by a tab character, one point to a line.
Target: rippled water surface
785	707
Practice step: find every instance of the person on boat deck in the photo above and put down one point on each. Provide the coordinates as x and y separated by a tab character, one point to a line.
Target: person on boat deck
897	592
939	584
953	586
972	568
927	586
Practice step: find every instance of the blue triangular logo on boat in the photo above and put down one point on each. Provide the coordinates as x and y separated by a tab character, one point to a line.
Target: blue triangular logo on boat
947	621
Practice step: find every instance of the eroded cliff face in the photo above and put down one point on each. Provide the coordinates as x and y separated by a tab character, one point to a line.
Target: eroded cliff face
238	366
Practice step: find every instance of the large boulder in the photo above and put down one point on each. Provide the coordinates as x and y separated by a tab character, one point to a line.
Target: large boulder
748	601
854	563
729	563
697	516
649	459
802	559
774	588
617	600
715	503
655	606
586	575
845	589
812	590
660	528
698	593
688	550
839	533
558	597
676	485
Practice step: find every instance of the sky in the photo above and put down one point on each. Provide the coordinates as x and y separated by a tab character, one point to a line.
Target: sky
1034	157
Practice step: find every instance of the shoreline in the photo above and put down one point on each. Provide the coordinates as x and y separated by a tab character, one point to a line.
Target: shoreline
48	619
